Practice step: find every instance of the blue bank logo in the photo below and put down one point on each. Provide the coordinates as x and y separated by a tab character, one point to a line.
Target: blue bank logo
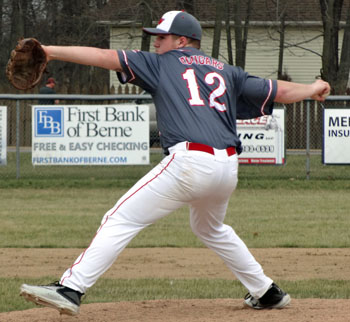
49	122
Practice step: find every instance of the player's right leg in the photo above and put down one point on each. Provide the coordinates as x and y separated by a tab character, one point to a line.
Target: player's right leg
151	198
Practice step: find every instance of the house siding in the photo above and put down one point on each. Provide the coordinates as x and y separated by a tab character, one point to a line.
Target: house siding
301	64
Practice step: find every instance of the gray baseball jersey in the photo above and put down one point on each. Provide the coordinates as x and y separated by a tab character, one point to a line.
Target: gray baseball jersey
197	97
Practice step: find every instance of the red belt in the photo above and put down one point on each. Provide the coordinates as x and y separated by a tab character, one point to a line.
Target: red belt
208	149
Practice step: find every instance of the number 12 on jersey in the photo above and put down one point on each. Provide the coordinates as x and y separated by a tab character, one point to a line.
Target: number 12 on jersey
195	99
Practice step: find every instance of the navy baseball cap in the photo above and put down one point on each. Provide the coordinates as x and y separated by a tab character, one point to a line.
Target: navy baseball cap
177	23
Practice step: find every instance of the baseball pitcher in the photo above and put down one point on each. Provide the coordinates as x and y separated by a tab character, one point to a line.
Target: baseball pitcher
198	100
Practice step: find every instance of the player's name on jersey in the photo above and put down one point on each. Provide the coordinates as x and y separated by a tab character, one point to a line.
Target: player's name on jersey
201	60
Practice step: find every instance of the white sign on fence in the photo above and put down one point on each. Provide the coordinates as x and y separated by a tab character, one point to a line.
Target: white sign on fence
336	136
90	134
263	139
3	135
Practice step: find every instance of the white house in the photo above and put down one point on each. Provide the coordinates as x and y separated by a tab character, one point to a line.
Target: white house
303	35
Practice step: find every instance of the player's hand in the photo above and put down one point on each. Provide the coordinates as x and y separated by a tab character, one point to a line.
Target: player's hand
321	90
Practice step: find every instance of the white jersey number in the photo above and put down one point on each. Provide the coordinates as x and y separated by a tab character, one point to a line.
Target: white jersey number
193	88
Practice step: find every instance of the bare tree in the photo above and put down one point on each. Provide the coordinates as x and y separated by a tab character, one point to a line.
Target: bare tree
282	29
228	33
331	14
61	22
17	21
220	7
282	11
186	5
241	30
101	3
344	66
1	22
146	10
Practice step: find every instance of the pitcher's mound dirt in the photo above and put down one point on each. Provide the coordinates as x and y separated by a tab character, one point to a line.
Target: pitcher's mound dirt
306	310
281	264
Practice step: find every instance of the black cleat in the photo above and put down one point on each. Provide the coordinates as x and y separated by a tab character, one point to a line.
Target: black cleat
274	298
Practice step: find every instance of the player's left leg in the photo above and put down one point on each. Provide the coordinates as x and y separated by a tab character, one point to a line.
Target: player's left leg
206	217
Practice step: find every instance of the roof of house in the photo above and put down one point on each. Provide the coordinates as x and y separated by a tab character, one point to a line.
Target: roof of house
204	10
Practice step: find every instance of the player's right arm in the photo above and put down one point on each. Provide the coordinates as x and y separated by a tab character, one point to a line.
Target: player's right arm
104	58
289	92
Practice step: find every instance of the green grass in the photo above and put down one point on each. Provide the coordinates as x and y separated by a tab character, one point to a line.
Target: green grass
262	218
39	218
115	290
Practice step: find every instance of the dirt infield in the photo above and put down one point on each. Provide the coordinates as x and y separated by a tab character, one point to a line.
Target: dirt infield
281	264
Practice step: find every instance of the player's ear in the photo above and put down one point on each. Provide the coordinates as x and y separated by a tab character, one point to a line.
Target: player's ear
182	42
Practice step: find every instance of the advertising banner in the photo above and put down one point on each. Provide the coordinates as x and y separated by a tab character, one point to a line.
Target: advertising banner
90	135
263	139
336	136
3	135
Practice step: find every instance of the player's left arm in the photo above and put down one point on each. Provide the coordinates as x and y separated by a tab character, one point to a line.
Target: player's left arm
289	92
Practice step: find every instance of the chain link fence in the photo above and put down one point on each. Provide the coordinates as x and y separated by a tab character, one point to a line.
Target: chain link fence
304	128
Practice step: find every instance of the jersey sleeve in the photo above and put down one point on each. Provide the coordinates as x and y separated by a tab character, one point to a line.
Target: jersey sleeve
257	97
139	68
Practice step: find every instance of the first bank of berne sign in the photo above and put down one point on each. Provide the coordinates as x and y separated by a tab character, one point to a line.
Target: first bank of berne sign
90	134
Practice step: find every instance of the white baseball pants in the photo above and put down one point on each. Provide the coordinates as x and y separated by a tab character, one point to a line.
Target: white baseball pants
203	181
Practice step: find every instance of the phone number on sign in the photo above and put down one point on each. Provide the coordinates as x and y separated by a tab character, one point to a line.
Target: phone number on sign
258	148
